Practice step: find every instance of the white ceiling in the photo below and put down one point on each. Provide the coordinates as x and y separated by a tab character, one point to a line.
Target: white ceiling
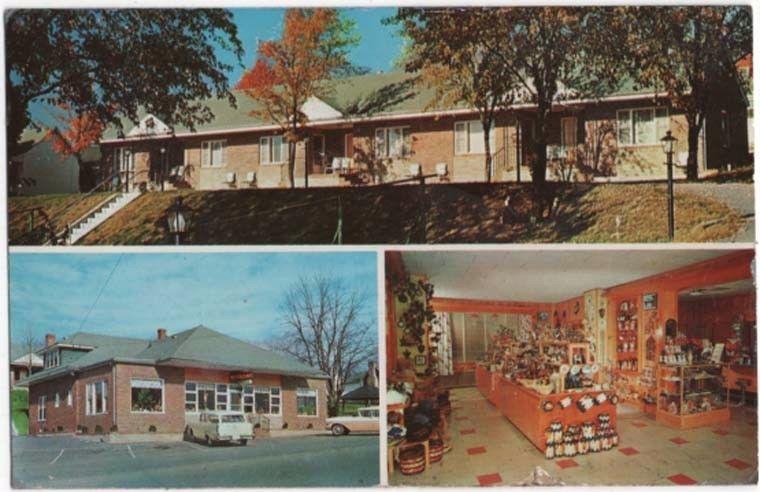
541	275
720	290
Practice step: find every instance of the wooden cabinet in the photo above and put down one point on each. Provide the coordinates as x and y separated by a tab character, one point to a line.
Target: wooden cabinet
691	396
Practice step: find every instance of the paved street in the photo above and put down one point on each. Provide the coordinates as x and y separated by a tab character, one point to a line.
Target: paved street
69	462
739	196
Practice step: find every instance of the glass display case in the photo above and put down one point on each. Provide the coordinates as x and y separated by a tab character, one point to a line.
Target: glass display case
691	395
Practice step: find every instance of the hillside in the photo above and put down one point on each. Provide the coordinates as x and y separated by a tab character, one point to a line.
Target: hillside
456	213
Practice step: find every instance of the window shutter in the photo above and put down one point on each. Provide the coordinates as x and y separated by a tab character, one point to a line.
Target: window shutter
460	138
264	150
380	149
276	149
624	127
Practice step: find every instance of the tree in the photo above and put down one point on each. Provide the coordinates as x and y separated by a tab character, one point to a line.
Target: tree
325	326
447	48
555	53
111	63
689	52
29	343
74	134
312	49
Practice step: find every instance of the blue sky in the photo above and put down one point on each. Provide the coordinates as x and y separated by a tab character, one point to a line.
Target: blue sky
235	293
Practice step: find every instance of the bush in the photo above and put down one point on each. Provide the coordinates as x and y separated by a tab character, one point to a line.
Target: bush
114	428
257	425
84	429
284	425
19	399
60	428
310	426
98	429
152	428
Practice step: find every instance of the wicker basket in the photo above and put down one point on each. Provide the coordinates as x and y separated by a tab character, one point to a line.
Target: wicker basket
412	461
436	450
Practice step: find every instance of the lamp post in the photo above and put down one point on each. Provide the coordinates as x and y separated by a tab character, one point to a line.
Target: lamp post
668	146
177	221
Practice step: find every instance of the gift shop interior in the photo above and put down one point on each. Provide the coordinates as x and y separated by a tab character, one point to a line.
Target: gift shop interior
577	367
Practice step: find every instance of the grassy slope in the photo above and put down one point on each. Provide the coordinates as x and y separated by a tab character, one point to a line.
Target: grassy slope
60	209
396	215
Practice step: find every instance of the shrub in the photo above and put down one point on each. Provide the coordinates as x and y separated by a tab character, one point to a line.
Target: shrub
310	426
84	429
114	428
98	429
257	425
152	428
284	425
60	428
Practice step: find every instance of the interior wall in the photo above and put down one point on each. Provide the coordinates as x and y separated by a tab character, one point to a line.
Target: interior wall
712	318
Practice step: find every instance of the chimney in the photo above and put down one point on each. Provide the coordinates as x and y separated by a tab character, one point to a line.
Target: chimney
49	340
161	334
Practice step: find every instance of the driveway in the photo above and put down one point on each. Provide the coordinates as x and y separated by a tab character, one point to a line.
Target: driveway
738	196
70	462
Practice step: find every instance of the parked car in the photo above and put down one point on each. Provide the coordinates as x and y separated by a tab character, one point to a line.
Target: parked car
212	427
367	419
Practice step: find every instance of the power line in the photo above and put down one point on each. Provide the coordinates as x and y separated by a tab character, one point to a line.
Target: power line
102	288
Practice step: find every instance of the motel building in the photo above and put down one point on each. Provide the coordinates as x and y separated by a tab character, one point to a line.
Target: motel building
98	384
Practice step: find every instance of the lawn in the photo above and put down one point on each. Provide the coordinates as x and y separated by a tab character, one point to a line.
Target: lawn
454	213
49	209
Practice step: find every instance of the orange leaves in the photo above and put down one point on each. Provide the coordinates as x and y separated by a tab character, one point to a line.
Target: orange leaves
76	132
260	76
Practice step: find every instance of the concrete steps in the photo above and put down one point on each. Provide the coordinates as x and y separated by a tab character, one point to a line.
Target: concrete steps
94	218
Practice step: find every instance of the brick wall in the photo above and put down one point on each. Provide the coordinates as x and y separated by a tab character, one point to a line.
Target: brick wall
61	419
171	420
290	415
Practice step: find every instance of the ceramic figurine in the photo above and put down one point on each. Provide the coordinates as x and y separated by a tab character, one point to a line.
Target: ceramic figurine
550	451
569	446
559	448
615	438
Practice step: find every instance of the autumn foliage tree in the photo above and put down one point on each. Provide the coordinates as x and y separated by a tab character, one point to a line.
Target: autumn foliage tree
688	52
447	49
72	135
311	51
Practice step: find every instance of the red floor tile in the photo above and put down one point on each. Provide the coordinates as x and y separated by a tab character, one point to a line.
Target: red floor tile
467	431
477	450
629	451
682	479
638	424
721	432
490	479
738	464
568	463
679	440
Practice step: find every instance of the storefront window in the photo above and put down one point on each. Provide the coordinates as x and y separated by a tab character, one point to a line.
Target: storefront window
206	397
221	397
191	397
236	397
232	397
267	400
248	399
148	395
306	401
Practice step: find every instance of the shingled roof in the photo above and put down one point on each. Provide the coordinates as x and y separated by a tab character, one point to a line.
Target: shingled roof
199	346
386	94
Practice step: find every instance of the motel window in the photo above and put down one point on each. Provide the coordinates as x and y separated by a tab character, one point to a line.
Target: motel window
57	400
469	138
69	397
273	150
267	400
643	126
306	402
148	395
206	397
212	153
96	398
393	142
41	411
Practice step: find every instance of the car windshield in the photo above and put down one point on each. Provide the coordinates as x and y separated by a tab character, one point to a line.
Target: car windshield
232	418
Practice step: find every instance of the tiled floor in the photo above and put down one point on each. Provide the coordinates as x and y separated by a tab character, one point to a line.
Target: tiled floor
650	454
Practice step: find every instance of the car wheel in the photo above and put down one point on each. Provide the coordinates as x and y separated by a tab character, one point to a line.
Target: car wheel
189	434
339	430
243	442
208	440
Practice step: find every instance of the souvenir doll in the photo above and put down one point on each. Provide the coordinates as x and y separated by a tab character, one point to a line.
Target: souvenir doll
550	451
569	446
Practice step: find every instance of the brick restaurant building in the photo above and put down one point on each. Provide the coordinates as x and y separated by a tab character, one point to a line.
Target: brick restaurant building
104	384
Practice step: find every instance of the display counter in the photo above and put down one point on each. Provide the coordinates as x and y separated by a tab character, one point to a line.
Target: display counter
524	408
691	396
487	383
737	378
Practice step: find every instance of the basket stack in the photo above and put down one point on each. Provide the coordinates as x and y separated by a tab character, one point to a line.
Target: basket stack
436	450
411	461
